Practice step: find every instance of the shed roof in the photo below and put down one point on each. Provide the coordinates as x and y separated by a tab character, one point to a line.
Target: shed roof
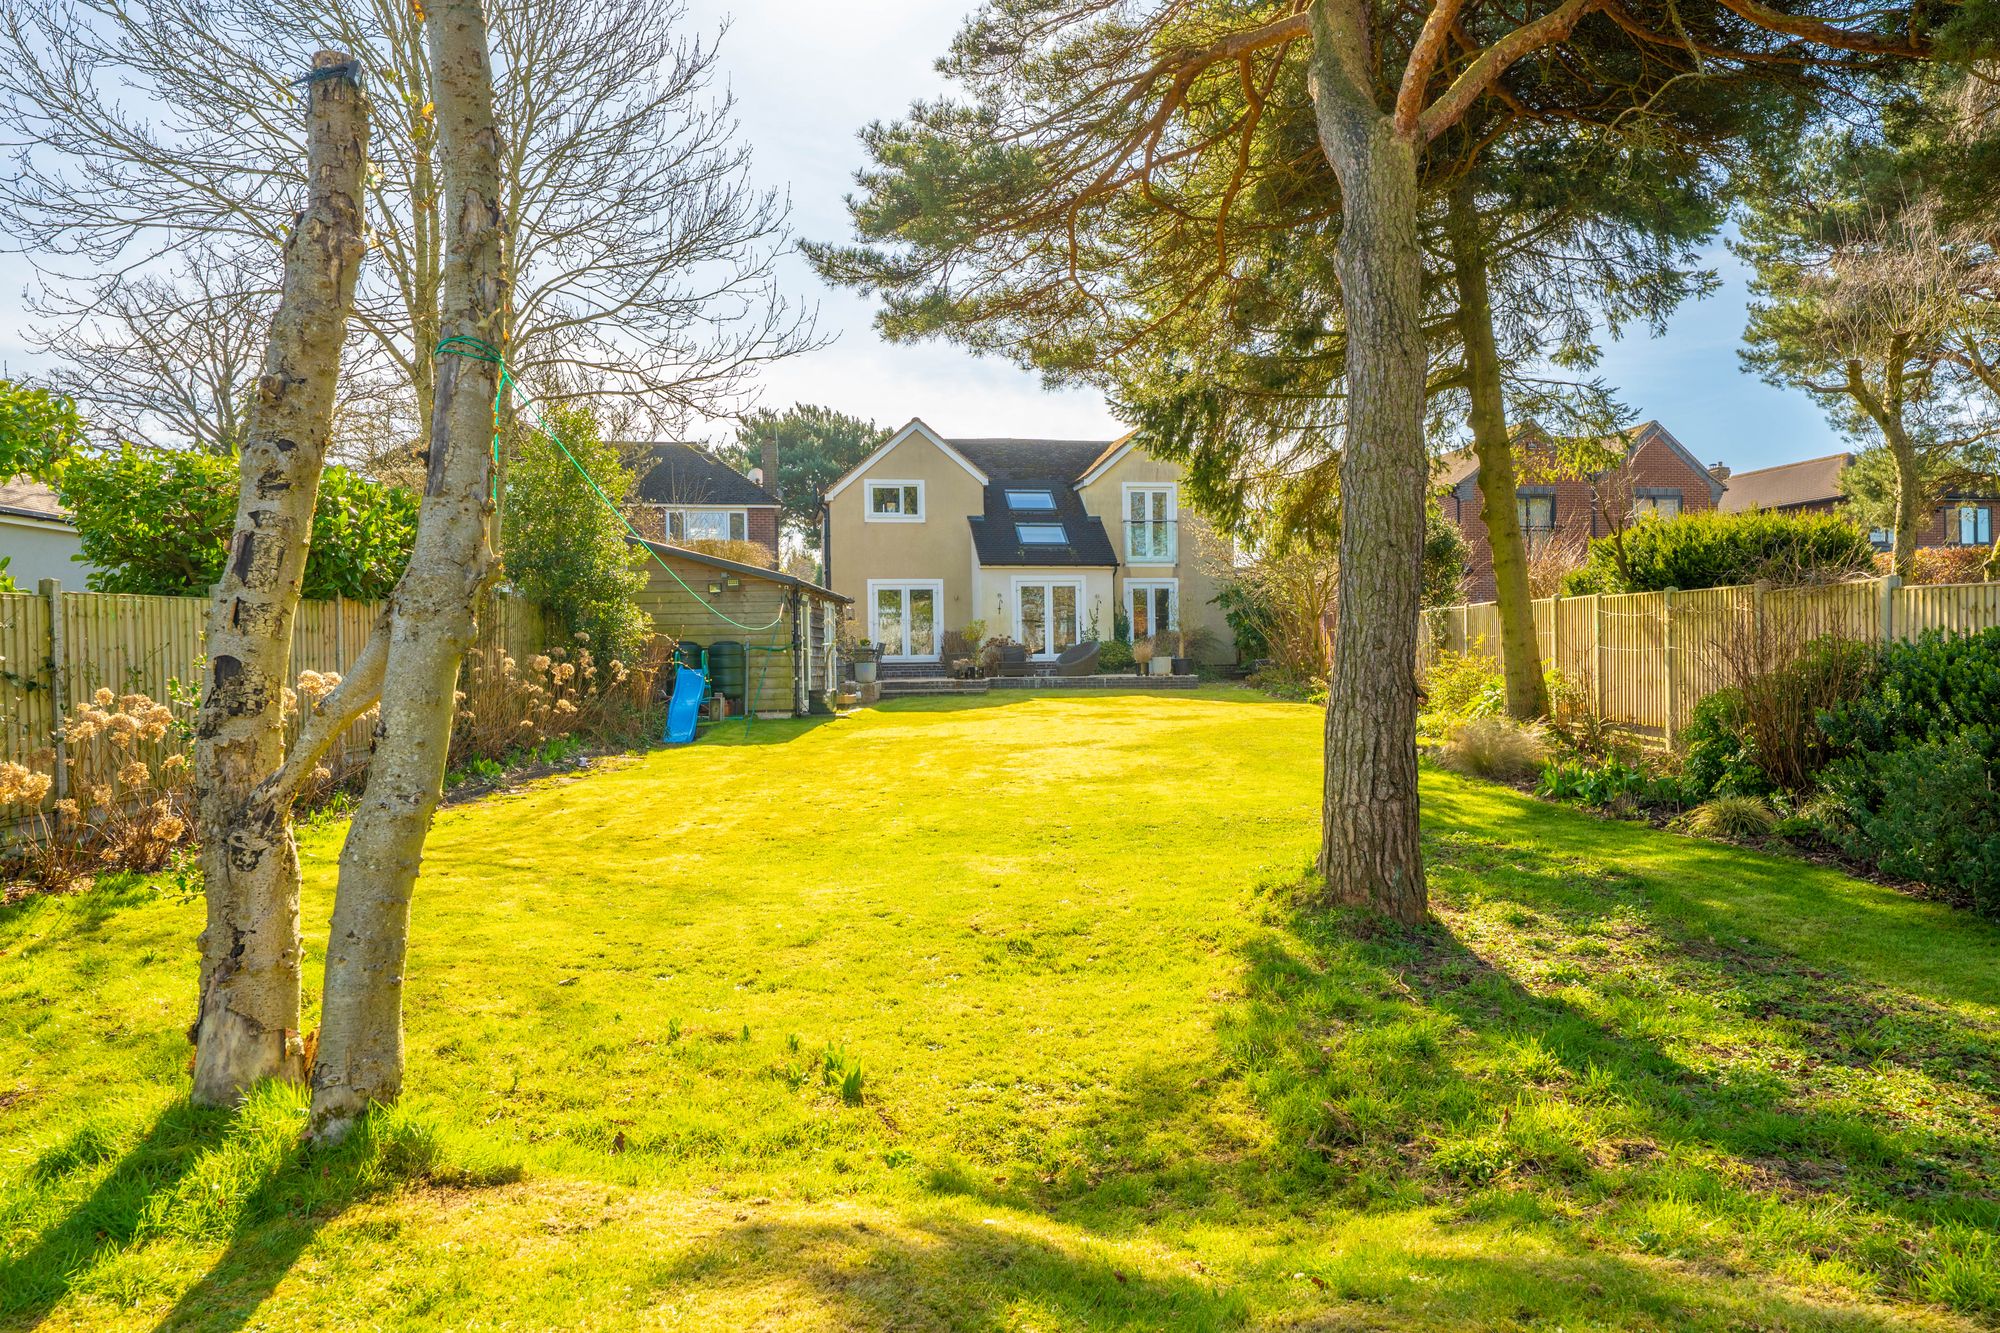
777	576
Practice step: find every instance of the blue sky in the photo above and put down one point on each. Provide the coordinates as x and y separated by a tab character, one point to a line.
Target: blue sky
807	76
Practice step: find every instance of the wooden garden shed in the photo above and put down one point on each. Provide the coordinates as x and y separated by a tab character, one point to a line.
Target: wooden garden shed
784	625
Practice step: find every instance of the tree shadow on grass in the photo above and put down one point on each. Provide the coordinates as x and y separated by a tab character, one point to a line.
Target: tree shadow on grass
113	1214
941	1273
1558	1047
944	1272
201	1175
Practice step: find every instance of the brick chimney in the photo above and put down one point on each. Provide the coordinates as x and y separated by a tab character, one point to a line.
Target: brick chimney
1720	471
771	466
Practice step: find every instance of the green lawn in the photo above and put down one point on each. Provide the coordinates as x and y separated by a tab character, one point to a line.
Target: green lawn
1108	1077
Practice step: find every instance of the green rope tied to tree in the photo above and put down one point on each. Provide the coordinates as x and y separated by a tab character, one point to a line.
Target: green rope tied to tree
478	349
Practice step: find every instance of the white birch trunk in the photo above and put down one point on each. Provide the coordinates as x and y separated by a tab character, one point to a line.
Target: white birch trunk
360	1059
246	1028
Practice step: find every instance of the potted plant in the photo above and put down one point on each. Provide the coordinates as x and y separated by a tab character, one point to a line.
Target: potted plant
866	658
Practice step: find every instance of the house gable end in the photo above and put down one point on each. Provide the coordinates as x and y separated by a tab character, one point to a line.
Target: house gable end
915	428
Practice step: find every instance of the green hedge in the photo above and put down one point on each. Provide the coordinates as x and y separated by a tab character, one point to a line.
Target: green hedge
1916	788
1716	550
158	522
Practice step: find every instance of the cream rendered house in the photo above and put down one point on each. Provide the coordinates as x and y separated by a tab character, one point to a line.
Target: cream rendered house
1045	541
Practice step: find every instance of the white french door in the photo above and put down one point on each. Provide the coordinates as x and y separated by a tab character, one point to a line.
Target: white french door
1045	614
903	619
1152	606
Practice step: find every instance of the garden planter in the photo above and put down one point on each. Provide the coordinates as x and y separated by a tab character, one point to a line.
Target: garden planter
1160	666
864	670
1183	666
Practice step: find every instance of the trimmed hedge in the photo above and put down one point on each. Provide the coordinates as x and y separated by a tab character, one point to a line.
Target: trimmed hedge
1716	550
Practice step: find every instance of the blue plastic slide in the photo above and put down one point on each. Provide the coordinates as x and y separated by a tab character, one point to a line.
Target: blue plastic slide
684	709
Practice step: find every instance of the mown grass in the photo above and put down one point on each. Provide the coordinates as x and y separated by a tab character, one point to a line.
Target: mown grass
970	1015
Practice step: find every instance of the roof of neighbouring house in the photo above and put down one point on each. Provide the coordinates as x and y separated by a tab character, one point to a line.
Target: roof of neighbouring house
738	567
1808	481
31	499
675	473
1462	465
1051	465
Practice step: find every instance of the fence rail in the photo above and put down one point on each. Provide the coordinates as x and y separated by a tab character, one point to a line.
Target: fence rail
57	648
1645	659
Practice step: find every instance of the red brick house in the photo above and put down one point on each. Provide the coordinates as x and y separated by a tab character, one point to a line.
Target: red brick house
1657	476
685	494
1812	485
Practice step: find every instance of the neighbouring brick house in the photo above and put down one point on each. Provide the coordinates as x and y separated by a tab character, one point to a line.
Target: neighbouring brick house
1658	476
1812	485
685	493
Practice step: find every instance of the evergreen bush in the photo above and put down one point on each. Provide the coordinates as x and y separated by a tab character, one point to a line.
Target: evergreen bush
1717	550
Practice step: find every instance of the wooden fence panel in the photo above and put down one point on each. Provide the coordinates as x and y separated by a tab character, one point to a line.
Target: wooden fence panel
1645	659
1633	658
1709	626
155	646
1954	608
26	695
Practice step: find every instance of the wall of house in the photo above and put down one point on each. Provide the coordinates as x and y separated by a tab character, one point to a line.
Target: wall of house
993	595
1654	465
1202	558
38	550
680	615
760	524
939	547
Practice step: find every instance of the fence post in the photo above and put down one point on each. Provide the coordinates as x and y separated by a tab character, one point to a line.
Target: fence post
1597	652
1555	662
51	590
1672	674
1889	586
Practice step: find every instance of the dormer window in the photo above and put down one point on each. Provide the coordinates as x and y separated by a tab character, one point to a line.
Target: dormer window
1031	499
1042	534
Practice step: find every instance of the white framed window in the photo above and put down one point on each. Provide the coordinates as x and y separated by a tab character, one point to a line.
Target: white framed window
1041	534
708	525
1031	497
1972	524
895	502
1152	606
1150	523
1047	613
903	618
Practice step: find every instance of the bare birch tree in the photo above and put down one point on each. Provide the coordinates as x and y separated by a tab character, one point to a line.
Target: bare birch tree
247	1026
360	1058
643	257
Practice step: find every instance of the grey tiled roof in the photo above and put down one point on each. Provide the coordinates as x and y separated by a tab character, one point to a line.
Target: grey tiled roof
685	474
1053	465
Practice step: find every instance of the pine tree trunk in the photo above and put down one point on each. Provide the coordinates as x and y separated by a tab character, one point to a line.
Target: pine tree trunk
1520	647
246	1028
1909	499
1370	855
360	1059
